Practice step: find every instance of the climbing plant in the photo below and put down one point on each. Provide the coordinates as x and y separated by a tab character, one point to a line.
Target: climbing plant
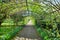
7	9
46	17
46	14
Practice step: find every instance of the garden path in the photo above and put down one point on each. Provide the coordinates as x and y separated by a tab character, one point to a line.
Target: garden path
28	33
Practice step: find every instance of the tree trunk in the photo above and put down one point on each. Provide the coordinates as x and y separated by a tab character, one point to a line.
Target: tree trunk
0	23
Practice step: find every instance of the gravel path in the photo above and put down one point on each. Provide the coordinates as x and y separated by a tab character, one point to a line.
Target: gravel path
28	33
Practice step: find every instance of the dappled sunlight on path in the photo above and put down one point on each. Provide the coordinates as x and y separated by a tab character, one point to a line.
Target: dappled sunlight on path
22	38
30	23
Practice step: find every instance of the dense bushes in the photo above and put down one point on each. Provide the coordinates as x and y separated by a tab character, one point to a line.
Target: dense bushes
7	9
8	29
47	20
10	20
51	26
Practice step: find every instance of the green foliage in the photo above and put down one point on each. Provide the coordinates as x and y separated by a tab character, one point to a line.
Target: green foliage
7	9
44	17
46	20
8	22
8	29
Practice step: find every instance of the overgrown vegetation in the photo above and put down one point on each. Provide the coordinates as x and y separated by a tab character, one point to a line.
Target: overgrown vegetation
45	12
11	19
46	18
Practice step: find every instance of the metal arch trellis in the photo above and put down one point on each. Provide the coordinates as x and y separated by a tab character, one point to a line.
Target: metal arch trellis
27	6
35	4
